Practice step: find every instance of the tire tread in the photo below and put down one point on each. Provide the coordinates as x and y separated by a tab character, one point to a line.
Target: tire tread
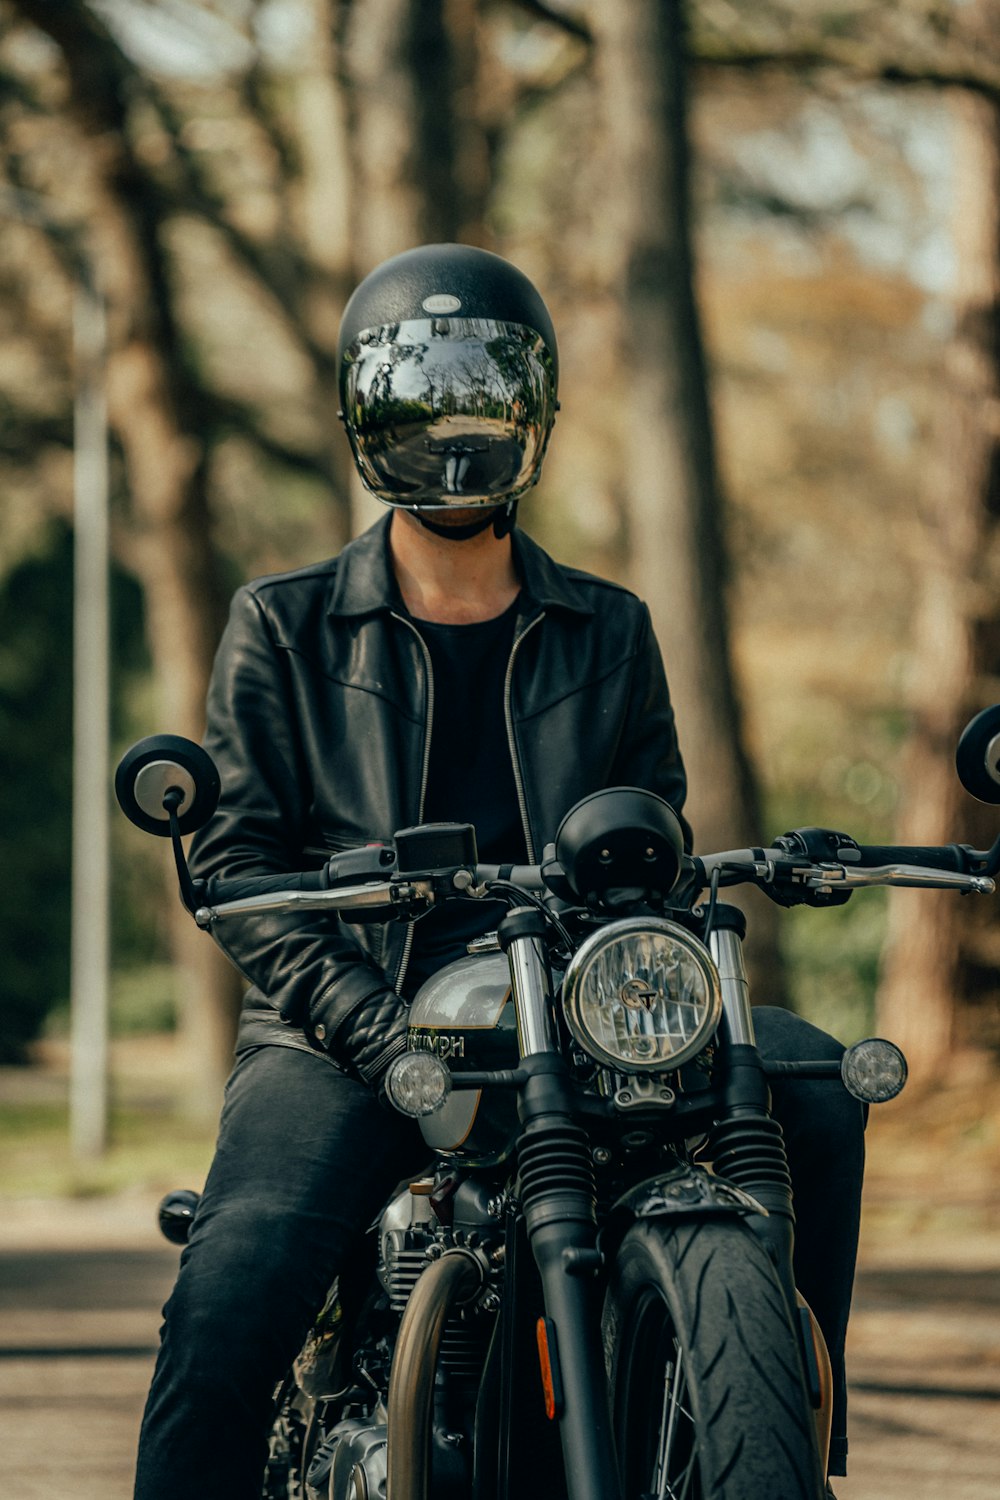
755	1425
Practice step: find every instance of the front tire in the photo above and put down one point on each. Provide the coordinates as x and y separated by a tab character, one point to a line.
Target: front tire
707	1395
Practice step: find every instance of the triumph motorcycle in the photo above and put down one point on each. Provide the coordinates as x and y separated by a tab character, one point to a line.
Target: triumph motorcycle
589	1291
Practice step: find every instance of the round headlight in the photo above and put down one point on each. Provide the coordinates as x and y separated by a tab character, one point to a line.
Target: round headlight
642	995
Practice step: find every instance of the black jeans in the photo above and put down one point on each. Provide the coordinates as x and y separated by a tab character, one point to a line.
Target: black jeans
304	1161
824	1129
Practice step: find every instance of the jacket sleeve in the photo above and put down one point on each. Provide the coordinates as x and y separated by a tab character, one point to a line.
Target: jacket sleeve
309	965
648	752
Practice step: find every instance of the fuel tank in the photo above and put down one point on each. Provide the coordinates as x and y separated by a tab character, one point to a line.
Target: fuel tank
465	1014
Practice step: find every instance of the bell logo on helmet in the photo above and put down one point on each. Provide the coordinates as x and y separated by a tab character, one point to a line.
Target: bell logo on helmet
441	302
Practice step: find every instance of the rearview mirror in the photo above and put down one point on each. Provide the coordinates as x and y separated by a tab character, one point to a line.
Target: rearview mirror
155	768
977	758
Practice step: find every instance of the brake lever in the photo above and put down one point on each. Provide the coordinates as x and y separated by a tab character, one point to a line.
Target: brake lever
903	875
349	900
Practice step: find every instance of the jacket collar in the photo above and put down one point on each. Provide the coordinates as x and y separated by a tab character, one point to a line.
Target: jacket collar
365	584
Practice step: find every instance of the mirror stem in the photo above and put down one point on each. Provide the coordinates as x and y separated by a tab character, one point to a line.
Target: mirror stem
172	799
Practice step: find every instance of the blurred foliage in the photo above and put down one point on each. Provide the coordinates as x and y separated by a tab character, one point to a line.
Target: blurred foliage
828	234
834	958
143	998
36	715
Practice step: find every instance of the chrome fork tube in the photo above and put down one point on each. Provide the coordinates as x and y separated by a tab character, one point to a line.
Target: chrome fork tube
530	982
726	948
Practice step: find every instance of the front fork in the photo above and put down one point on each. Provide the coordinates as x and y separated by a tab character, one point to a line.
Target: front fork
747	1148
746	1145
557	1196
557	1190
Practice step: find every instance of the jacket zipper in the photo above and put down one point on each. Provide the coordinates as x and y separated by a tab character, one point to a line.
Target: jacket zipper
515	761
404	958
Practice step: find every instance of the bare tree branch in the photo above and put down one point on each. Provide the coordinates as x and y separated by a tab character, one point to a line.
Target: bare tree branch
562	20
231	418
877	61
105	83
24	433
283	275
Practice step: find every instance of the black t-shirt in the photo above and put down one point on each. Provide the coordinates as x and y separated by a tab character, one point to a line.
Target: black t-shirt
470	775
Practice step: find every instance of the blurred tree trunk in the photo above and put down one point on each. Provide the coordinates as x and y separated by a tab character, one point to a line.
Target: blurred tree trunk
420	161
166	457
419	157
669	477
323	141
171	553
941	977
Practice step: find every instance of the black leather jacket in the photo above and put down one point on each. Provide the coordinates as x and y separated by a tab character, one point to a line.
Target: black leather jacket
319	717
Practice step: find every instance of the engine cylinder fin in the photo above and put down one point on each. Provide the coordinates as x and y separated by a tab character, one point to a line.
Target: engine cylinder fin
401	1276
463	1342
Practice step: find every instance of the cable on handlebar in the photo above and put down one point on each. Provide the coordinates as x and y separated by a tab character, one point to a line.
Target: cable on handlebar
713	901
528	898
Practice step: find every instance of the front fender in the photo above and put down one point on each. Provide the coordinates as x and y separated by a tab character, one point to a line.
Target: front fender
683	1193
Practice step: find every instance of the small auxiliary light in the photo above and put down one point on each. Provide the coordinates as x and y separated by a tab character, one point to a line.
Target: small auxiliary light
418	1083
873	1070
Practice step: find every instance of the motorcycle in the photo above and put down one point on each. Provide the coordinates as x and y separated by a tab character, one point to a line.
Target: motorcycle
589	1292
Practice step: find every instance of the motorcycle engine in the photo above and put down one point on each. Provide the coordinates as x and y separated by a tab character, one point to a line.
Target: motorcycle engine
350	1464
415	1229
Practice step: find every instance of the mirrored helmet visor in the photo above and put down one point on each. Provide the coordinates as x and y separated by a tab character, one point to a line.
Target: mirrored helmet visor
445	412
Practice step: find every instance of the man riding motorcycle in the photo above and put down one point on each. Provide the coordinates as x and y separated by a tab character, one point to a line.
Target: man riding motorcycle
442	667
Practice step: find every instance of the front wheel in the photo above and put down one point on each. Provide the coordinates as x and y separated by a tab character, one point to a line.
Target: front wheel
707	1395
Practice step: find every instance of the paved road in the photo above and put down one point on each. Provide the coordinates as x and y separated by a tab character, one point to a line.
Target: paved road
924	1365
77	1329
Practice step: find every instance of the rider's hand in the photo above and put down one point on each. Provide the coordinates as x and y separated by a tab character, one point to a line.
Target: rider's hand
371	1038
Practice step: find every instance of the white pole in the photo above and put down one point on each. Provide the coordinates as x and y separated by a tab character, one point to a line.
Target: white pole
88	1097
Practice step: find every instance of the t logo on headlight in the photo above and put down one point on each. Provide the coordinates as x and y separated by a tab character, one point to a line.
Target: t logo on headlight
638	994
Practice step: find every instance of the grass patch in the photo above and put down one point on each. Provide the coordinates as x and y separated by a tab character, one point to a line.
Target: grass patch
148	1150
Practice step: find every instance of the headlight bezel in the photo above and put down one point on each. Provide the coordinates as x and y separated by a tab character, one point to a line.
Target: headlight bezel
581	964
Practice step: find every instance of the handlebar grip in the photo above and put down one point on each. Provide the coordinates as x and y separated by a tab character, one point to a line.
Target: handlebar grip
217	891
926	856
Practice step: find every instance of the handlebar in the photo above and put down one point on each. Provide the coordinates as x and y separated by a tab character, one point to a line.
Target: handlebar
948	866
528	877
307	891
945	867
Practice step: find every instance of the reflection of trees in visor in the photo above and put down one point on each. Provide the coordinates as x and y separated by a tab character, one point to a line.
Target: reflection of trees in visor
445	411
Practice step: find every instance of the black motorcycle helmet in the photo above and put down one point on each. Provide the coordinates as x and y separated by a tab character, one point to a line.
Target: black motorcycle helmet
448	373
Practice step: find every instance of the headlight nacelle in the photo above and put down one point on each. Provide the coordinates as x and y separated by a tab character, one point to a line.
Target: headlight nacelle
642	995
